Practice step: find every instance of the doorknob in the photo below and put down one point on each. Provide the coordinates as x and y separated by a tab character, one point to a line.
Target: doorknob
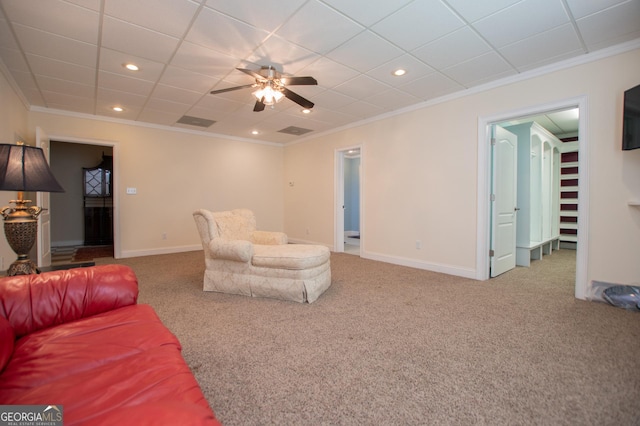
515	209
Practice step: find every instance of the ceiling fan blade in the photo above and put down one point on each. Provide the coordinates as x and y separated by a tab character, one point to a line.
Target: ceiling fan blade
259	106
297	98
300	81
230	89
251	73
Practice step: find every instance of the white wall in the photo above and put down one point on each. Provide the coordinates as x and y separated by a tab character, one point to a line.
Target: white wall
175	173
420	174
13	127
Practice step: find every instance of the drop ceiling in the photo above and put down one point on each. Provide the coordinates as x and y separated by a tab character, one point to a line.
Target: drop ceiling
68	55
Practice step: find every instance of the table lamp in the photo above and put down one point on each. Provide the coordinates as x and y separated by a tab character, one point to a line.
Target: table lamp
23	168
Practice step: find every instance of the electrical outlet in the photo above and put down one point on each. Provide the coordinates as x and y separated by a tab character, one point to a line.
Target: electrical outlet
164	235
307	231
418	244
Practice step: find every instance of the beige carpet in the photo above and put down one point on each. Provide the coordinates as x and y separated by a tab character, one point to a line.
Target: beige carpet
391	345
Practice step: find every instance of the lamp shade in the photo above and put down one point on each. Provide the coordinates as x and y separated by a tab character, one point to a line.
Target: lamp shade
24	168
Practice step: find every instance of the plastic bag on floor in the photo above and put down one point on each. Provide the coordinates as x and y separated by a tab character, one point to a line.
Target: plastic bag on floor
623	296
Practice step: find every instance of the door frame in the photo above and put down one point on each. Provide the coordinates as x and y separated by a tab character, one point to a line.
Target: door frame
484	185
339	197
115	183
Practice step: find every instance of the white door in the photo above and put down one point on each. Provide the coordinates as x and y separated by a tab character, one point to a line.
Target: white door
503	201
42	200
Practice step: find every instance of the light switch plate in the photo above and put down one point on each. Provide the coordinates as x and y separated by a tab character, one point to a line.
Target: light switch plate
132	191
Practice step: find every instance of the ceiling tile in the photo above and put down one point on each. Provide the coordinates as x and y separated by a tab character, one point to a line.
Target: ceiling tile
286	57
328	73
365	52
418	23
543	48
53	46
158	117
167	106
66	101
318	28
471	11
89	4
184	79
361	87
614	25
367	12
14	60
123	83
267	18
124	37
479	70
171	18
48	84
414	69
6	36
169	93
204	60
522	20
392	99
114	61
333	98
581	8
224	34
186	48
456	47
62	70
59	17
431	86
361	109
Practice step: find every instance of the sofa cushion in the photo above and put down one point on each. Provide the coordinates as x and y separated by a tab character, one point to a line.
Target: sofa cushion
38	301
290	256
97	365
237	224
54	353
6	342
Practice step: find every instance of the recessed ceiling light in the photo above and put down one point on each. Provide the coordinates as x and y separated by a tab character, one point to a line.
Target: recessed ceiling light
131	67
118	109
306	111
255	132
399	72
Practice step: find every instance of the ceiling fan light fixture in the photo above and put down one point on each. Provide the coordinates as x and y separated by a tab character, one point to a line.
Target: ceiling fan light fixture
268	95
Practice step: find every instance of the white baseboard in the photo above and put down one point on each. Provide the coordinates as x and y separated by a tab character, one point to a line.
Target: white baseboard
418	264
67	243
156	251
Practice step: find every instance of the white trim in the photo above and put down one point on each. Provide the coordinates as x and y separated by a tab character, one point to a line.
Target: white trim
412	263
526	75
148	125
483	217
163	250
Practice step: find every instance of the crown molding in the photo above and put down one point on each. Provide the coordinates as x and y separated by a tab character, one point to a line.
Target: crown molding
86	116
526	75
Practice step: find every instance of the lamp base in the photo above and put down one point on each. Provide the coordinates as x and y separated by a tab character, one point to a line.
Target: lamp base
22	267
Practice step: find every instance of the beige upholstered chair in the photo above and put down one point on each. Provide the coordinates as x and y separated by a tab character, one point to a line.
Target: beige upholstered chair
242	260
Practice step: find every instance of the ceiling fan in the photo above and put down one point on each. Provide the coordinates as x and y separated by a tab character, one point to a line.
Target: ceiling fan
271	87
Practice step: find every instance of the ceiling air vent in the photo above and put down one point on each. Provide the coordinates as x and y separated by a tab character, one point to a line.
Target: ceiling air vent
293	130
195	121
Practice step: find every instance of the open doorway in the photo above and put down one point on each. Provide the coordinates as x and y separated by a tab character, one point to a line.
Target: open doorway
576	171
348	201
84	224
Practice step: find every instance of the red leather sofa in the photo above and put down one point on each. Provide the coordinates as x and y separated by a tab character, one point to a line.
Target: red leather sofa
78	339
